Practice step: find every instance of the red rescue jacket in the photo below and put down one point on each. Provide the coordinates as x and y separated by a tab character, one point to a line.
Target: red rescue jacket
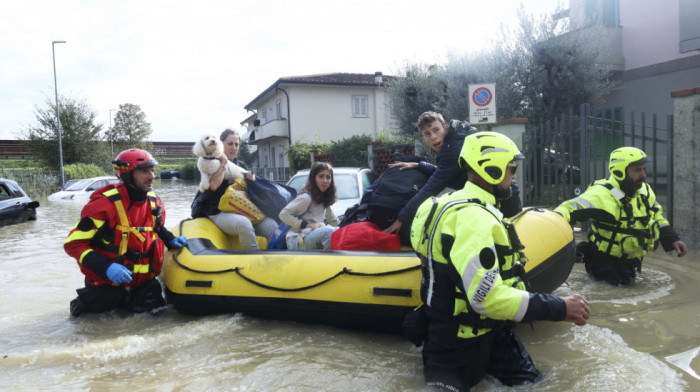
121	232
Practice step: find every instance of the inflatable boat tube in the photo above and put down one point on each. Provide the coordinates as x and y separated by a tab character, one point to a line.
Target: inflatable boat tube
369	291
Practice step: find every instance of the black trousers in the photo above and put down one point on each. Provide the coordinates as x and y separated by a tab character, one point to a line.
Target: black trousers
143	298
455	364
613	270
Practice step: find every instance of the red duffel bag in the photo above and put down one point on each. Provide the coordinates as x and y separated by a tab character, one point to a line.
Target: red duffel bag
364	236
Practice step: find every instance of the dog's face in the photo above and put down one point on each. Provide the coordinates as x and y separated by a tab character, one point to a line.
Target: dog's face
208	146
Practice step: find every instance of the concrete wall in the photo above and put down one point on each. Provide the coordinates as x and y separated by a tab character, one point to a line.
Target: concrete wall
651	93
686	155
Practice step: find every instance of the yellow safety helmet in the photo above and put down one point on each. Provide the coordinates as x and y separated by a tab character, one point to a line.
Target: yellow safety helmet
488	154
623	157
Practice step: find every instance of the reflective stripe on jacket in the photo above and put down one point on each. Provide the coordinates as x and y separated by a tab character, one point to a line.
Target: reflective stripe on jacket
122	232
472	240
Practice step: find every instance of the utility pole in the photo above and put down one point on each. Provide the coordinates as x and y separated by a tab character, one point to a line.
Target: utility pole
58	118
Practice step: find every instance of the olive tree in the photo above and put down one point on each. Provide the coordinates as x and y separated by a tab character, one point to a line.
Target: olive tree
540	70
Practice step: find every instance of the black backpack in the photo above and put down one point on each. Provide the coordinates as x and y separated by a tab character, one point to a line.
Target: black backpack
395	187
392	191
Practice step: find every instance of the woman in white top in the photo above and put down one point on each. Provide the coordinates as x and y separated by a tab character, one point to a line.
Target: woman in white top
307	213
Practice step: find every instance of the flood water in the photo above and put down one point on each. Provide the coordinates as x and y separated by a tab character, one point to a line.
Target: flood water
642	338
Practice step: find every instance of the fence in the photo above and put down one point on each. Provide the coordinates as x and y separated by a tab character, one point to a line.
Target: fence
280	174
567	153
34	181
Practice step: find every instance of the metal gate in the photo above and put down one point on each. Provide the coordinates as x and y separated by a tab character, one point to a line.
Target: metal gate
566	154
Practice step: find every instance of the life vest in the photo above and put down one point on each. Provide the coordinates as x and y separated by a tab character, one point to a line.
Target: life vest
622	227
442	287
136	247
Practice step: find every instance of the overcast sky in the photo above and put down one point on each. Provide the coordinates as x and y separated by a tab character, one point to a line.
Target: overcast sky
192	65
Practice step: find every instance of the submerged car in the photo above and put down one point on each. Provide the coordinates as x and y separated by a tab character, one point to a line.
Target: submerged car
350	182
82	189
15	204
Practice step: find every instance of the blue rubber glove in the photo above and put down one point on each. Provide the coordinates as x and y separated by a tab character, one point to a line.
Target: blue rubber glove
118	274
178	242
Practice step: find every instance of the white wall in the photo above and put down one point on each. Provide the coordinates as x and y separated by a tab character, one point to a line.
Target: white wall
324	113
321	113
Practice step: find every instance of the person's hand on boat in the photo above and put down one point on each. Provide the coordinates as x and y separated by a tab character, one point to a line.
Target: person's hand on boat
394	228
577	310
118	274
178	242
249	175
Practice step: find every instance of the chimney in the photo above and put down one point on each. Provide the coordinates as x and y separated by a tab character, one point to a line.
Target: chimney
378	77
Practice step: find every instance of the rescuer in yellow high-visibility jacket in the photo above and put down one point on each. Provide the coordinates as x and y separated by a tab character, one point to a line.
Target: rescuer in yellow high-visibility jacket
473	285
626	220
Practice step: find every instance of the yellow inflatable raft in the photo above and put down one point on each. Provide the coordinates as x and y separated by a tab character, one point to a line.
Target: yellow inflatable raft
351	289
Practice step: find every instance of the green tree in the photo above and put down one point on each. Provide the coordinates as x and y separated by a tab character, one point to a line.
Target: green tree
540	70
245	155
131	130
80	135
421	88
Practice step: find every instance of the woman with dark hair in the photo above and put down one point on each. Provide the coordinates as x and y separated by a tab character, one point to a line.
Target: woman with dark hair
230	223
307	213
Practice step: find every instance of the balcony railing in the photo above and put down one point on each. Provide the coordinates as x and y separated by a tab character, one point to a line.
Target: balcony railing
279	174
273	128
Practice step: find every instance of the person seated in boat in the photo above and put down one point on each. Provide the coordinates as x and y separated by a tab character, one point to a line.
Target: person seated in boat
473	283
447	141
626	220
119	241
307	213
230	223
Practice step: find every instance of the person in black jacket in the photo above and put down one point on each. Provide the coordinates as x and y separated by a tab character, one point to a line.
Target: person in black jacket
230	223
447	142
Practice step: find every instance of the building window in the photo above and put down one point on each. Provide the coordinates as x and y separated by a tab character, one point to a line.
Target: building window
263	117
278	109
393	110
359	106
602	12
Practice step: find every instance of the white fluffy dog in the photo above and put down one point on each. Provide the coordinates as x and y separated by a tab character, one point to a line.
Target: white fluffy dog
209	149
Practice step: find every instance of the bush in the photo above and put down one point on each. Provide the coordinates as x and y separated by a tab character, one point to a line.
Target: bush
189	171
299	154
83	170
350	152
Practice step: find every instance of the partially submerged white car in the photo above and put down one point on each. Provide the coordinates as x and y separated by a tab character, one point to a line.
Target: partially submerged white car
82	189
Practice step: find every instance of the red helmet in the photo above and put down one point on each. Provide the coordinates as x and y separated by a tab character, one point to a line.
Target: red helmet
131	159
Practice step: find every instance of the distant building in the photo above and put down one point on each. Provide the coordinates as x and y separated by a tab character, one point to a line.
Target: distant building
316	108
18	149
653	47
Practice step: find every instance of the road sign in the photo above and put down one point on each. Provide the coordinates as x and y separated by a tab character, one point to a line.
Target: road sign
482	106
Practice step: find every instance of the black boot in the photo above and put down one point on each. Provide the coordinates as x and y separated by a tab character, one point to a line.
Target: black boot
77	307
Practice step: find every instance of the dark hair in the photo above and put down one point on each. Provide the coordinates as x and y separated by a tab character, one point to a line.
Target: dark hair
428	118
228	132
326	198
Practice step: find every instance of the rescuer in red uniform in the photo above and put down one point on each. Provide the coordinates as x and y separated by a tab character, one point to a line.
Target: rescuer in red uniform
120	241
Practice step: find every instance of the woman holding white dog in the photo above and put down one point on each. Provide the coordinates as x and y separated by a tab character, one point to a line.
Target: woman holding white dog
230	223
307	213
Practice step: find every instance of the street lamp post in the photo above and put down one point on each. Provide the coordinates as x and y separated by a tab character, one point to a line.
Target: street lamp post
111	136
58	119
